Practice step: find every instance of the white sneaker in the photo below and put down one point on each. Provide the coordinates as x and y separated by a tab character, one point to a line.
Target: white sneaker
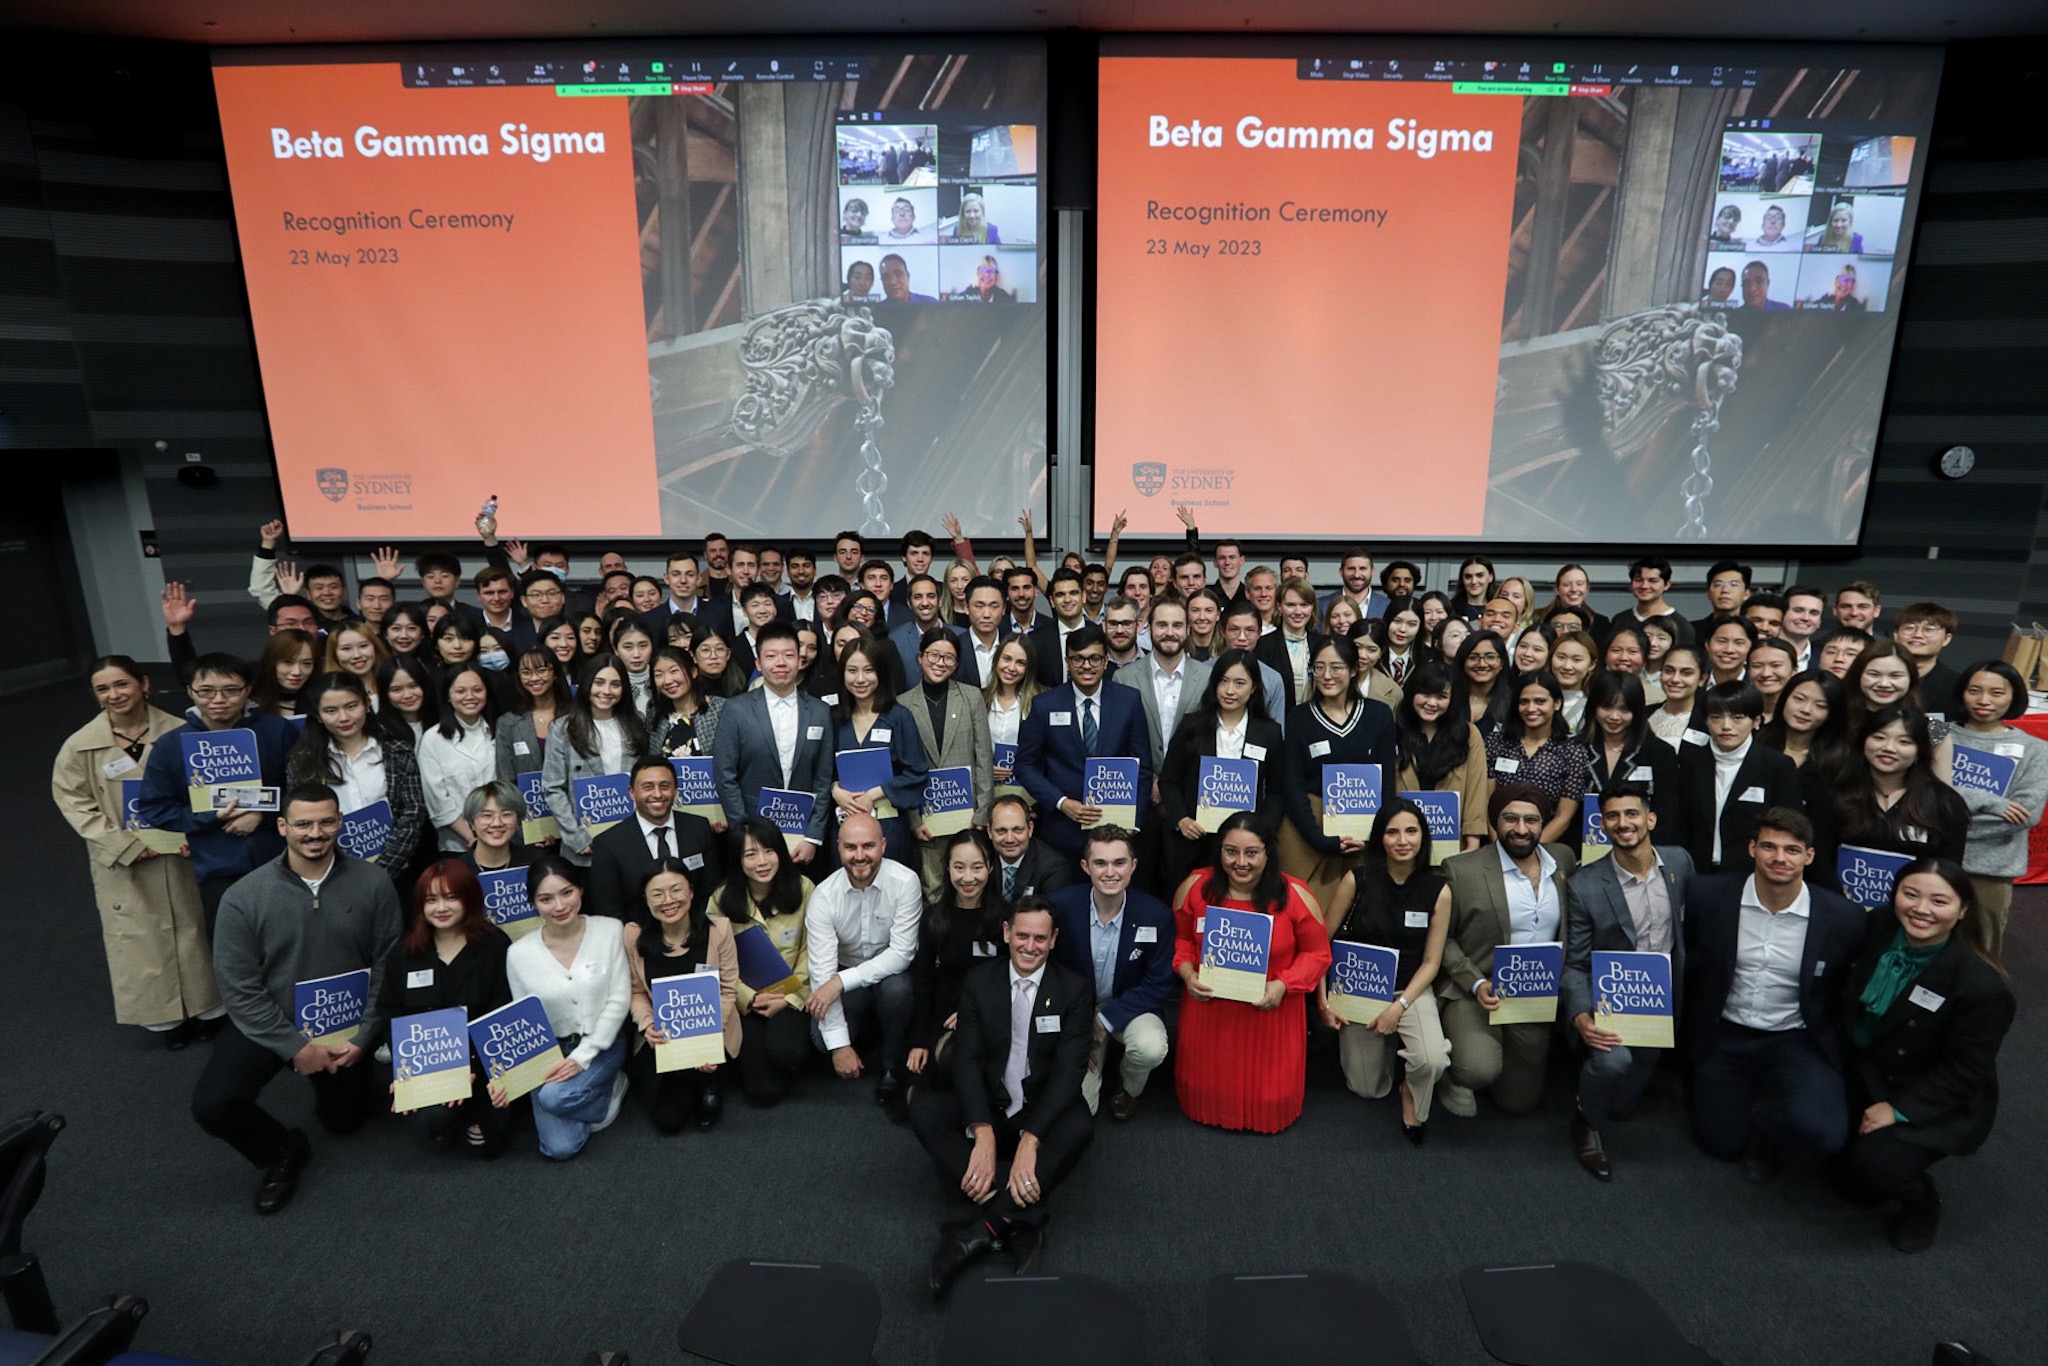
1456	1099
611	1111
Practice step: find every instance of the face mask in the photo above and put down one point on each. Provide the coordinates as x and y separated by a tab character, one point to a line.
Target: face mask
561	575
494	659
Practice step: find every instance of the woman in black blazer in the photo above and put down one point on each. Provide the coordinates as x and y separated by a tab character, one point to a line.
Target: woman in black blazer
1927	1006
452	955
1291	646
1621	749
1885	793
1233	706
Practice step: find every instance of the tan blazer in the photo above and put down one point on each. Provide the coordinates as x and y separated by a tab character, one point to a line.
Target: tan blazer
1479	915
1468	780
719	949
151	918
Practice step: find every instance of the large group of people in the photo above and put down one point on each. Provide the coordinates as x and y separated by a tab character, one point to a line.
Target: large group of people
1815	817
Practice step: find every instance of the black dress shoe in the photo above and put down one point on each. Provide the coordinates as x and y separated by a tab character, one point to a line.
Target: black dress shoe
1416	1134
1591	1152
1026	1245
1919	1219
889	1087
710	1107
1760	1164
203	1031
179	1036
281	1178
959	1244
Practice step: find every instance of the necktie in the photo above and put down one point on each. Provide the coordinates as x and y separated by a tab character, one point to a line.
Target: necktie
1088	728
660	843
1009	884
1020	1038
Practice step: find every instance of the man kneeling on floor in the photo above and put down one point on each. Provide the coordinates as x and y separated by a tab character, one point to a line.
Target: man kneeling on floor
1019	1053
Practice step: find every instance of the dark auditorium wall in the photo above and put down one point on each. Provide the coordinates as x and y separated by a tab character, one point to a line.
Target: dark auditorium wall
123	322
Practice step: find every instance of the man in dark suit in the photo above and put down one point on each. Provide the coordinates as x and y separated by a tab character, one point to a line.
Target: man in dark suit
623	856
1765	953
916	614
680	574
1020	592
1356	571
1487	913
1632	901
1020	1050
776	736
1024	866
1081	719
1122	940
1723	786
983	638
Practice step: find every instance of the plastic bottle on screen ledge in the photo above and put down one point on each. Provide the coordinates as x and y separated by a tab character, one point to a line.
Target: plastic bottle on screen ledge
487	519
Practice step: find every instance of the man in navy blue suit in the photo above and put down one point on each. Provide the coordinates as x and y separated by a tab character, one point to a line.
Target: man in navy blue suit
1083	718
1765	953
1122	940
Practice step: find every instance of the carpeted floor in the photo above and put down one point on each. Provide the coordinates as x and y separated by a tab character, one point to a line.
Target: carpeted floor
528	1263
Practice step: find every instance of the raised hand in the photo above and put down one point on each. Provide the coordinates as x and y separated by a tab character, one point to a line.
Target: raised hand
178	608
515	551
952	525
1186	515
271	531
289	579
389	564
1118	523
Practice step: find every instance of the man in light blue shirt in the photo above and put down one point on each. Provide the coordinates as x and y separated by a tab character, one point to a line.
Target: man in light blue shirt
1123	939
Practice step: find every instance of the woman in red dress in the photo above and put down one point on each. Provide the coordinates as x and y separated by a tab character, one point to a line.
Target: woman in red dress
1243	1066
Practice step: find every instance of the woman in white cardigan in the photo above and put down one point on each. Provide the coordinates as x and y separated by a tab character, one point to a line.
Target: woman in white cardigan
457	755
577	968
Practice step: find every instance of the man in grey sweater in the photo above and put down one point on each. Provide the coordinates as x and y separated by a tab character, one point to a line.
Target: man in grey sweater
313	913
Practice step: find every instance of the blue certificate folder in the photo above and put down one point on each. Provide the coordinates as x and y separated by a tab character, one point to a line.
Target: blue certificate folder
789	809
697	787
1351	799
219	758
1632	997
687	1010
601	802
1440	809
761	964
1223	787
1112	785
1867	875
1978	768
365	830
1525	977
861	770
516	1045
1362	979
1236	947
1005	756
330	1010
505	900
429	1059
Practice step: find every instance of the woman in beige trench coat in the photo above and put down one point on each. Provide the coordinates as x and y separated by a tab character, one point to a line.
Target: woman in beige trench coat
150	915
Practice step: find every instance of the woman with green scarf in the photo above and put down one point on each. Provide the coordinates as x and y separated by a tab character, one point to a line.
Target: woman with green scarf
1927	1006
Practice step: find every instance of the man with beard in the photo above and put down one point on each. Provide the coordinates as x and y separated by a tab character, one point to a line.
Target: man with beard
1510	893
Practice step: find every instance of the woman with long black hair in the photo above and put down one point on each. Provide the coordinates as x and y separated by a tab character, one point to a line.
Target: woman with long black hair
366	759
765	893
1230	722
1440	750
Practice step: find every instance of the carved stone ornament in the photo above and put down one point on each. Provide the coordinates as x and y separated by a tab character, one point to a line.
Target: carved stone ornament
1657	363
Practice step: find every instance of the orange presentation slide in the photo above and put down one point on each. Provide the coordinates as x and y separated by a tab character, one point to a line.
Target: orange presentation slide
435	274
1298	298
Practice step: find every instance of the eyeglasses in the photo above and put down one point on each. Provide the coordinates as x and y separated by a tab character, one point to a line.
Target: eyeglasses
220	693
1325	670
1489	657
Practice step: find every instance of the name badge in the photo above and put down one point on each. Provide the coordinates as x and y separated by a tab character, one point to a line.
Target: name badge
1201	924
1047	1024
1257	752
1937	716
521	747
1318	748
1415	920
830	699
1060	718
1145	934
1820	968
1751	794
1508	765
124	764
2008	751
814	732
693	862
786	938
1693	737
425	978
1640	774
984	950
880	734
1925	999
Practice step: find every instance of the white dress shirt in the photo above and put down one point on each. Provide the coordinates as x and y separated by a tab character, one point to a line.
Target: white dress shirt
861	935
804	608
590	996
1230	743
362	778
985	656
783	719
1166	686
611	744
1532	906
1769	950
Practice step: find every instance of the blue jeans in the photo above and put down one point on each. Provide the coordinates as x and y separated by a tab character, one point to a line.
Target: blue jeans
563	1111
